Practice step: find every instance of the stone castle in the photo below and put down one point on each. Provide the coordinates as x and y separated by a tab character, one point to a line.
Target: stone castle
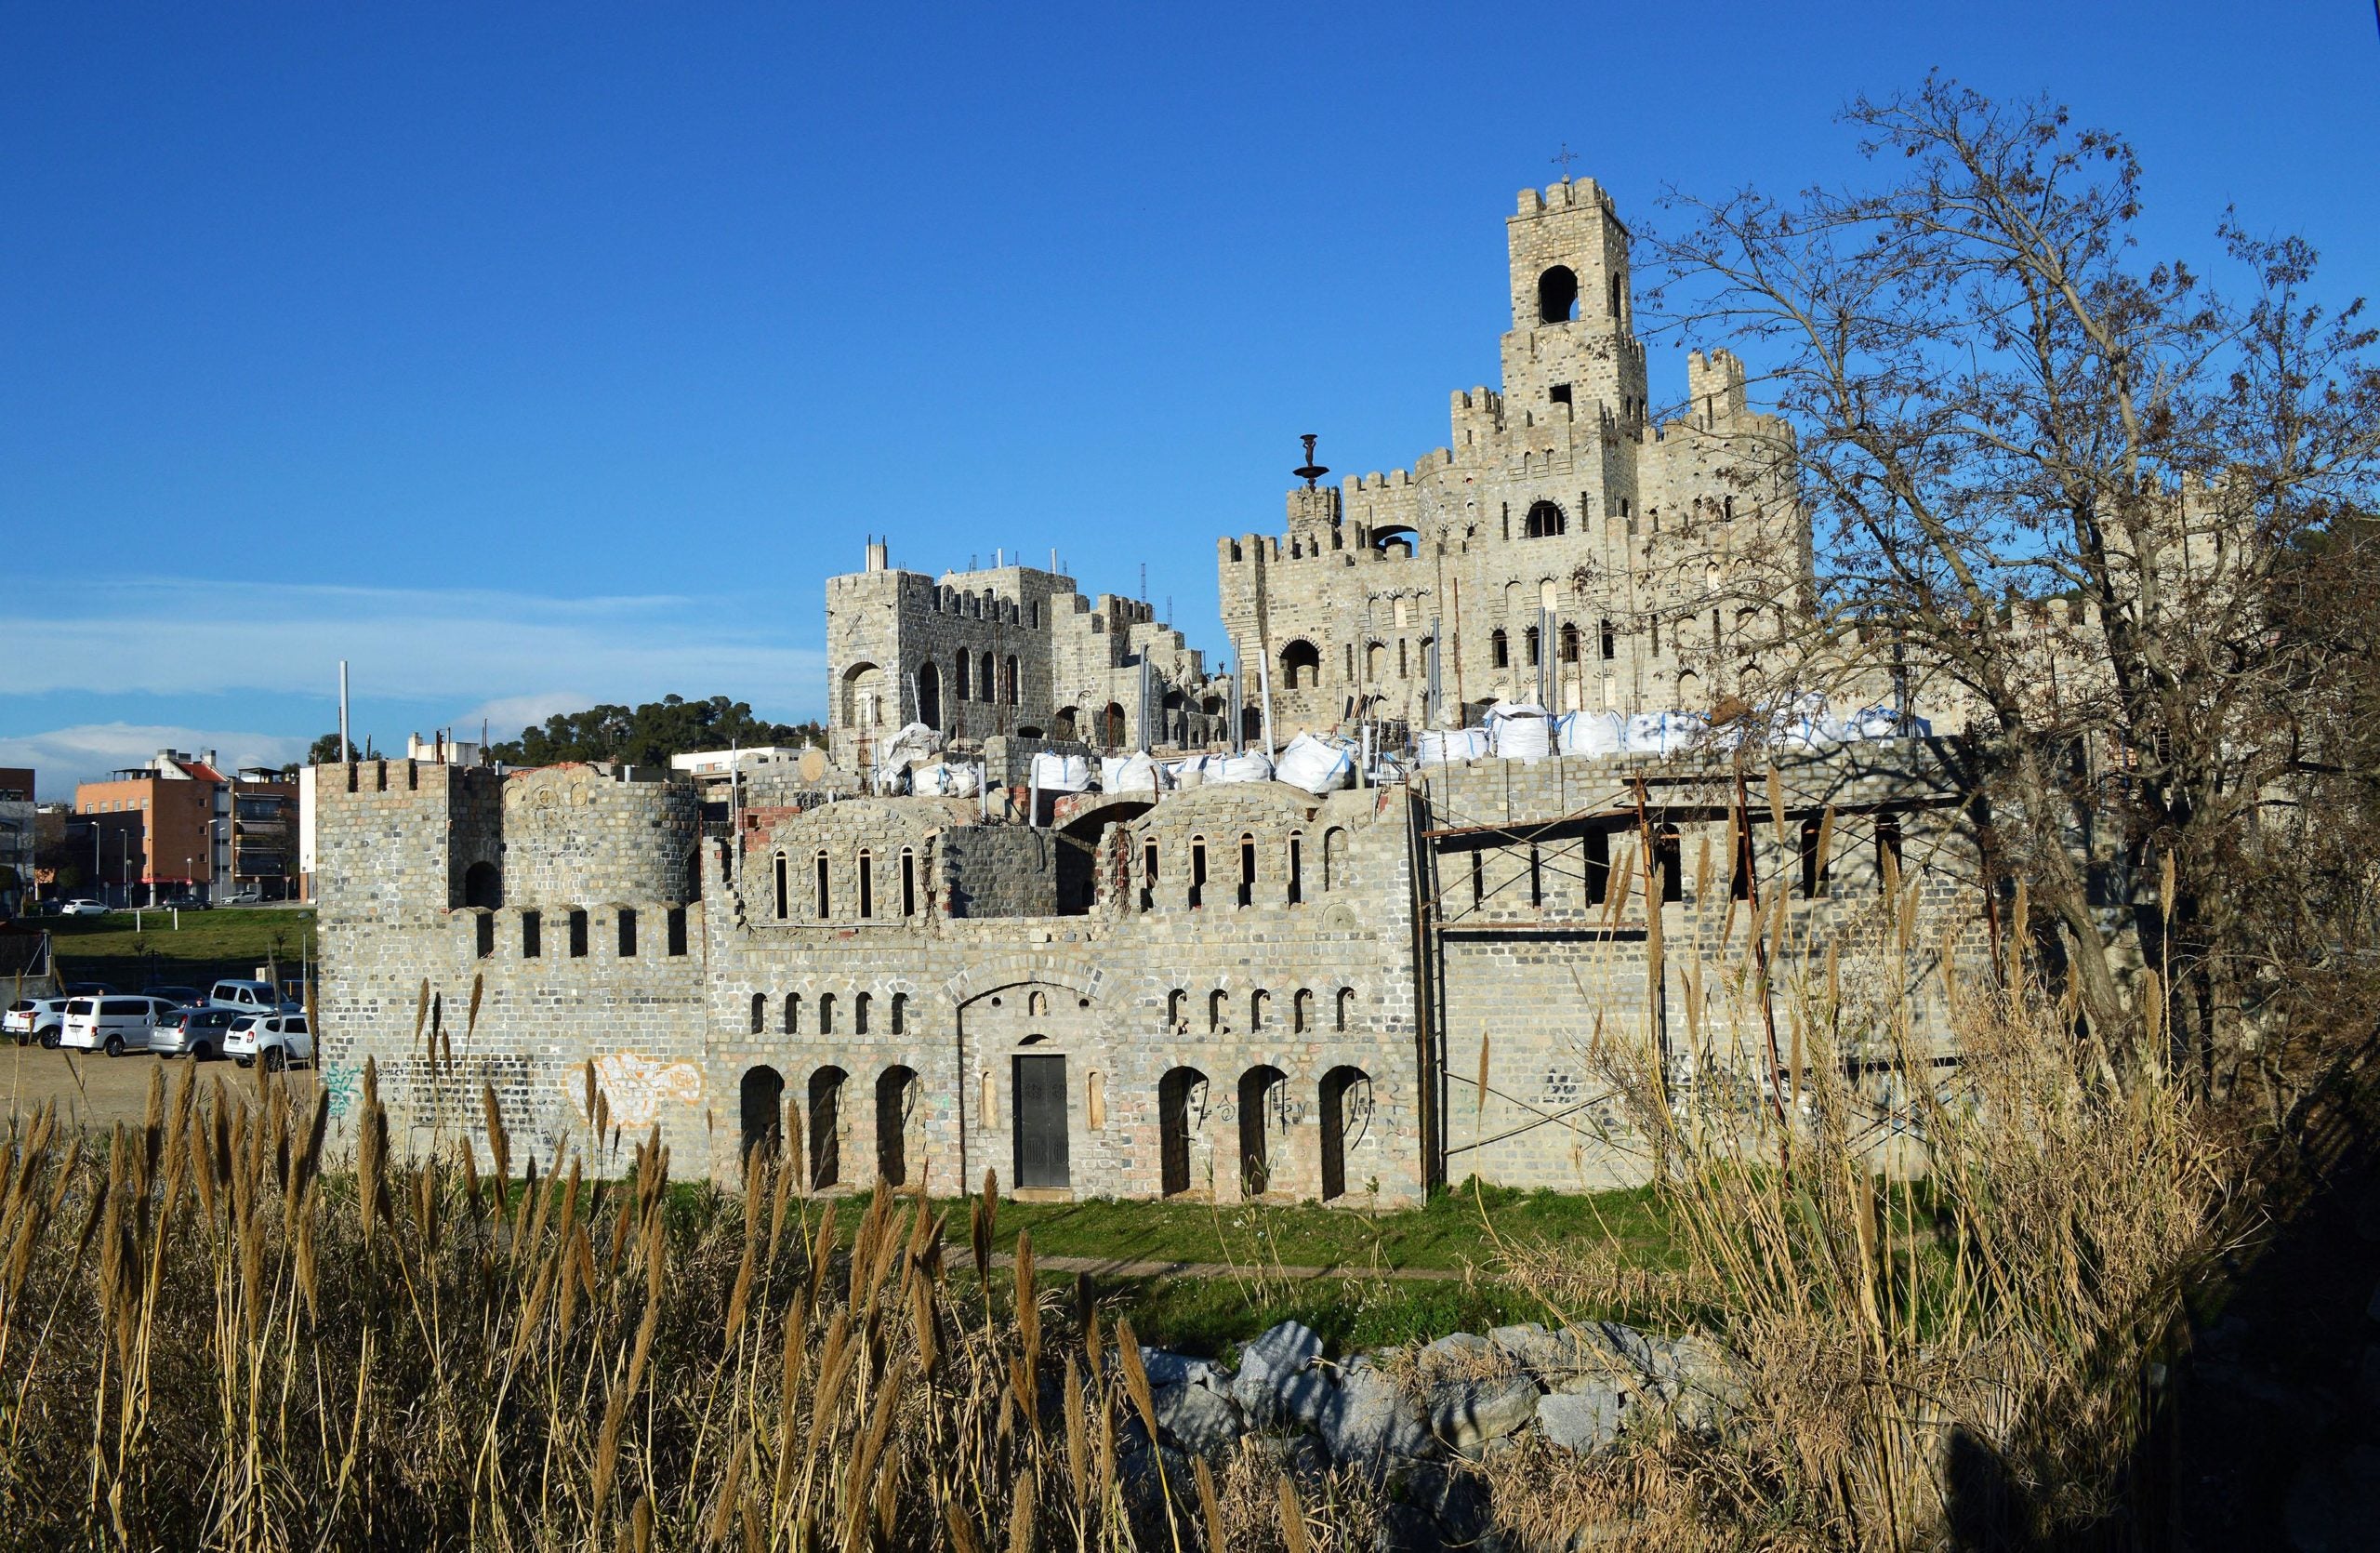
1240	989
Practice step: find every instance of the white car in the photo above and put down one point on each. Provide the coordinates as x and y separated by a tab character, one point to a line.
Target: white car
82	909
249	997
114	1025
35	1019
276	1040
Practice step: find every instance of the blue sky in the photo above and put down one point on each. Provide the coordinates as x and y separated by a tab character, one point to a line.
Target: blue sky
529	356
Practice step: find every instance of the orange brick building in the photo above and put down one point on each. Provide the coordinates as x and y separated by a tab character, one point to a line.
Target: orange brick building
179	827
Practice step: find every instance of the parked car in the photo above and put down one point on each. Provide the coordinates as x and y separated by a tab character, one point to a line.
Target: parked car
196	1033
89	989
82	909
249	997
249	896
275	1039
181	997
35	1019
113	1025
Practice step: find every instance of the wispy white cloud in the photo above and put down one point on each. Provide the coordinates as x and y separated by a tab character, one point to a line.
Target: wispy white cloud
475	647
65	756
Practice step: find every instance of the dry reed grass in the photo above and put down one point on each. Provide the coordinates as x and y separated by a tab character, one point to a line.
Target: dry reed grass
207	1341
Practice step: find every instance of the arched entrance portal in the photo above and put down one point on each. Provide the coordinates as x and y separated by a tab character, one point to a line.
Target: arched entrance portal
896	1099
1180	1106
763	1104
1346	1117
826	1128
1264	1099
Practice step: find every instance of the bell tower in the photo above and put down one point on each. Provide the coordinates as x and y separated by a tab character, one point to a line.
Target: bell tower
1572	340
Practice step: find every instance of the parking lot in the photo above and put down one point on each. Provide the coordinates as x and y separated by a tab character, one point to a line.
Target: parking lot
92	1089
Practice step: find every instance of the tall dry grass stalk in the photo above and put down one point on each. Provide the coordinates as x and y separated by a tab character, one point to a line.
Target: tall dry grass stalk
1928	1296
212	1337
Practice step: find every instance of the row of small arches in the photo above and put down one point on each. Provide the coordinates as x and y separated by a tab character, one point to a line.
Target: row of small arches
906	898
1201	878
791	1016
1302	1011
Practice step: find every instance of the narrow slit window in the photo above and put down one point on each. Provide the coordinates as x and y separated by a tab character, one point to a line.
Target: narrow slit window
1478	877
532	935
1296	881
781	892
483	931
1814	869
1197	872
1248	870
824	899
908	882
866	885
677	929
578	935
759	1011
792	1015
1598	850
628	933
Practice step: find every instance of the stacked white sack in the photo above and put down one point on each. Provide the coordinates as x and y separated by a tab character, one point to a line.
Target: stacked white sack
1132	776
1056	772
1444	747
1521	731
1249	766
942	780
1316	766
1593	732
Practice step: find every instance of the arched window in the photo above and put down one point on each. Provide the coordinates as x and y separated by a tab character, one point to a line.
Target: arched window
759	1011
930	695
793	1013
1197	872
824	898
908	882
960	676
859	1014
1569	643
1545	519
1666	867
1334	857
826	1014
900	1014
483	887
1215	1012
1260	1005
1532	647
986	687
866	884
1346	1005
1610	642
1112	722
1558	295
1177	1011
1301	1011
1294	884
1011	686
1248	870
1376	662
1300	665
1148	873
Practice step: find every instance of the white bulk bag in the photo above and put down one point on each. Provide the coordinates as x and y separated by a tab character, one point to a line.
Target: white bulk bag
942	780
1316	766
1443	747
1593	732
1186	773
1056	772
1249	767
1133	776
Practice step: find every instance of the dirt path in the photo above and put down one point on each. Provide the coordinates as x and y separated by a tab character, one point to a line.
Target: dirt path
96	1091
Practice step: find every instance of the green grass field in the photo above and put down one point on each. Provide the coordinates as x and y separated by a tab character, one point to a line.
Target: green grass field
231	942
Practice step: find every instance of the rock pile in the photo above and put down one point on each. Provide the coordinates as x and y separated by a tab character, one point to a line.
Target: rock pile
1463	1397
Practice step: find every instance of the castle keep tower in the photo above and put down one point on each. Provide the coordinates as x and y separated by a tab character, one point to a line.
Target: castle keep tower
1566	545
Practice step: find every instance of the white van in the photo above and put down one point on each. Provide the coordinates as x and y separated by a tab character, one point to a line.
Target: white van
113	1025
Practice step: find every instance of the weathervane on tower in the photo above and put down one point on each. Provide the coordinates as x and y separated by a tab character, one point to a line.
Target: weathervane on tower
1311	472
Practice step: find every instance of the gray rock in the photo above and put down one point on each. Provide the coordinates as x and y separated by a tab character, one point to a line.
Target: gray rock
1300	1455
1457	1346
1197	1419
1369	1422
1465	1414
1175	1369
1583	1420
1268	1388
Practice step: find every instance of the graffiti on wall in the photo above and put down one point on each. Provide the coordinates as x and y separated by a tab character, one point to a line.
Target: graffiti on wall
635	1087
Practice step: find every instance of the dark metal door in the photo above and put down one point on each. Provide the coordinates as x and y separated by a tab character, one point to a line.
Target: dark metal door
1041	1121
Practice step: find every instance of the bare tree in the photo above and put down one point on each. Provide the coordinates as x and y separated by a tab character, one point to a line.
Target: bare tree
2070	488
